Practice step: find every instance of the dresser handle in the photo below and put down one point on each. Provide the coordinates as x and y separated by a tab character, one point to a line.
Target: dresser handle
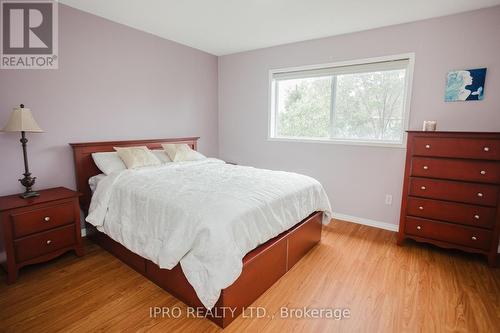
476	217
486	148
479	194
419	227
49	242
483	172
474	238
427	146
423	187
46	218
421	207
426	167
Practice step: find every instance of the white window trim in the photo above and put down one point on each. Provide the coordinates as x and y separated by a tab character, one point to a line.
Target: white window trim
408	93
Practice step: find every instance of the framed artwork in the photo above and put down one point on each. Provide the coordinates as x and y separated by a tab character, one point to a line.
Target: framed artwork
465	85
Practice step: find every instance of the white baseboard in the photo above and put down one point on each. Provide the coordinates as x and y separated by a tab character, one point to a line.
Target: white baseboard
368	222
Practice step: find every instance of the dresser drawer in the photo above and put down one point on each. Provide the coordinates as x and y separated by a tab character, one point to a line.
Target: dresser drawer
475	171
451	233
484	149
43	219
39	244
452	212
480	194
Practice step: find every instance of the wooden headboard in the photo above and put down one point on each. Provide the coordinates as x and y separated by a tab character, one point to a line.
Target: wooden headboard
86	168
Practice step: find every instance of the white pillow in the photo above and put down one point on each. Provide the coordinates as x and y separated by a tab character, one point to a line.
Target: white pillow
93	181
108	162
137	157
161	155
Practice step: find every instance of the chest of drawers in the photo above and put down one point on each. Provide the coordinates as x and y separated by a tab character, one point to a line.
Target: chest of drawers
451	191
38	229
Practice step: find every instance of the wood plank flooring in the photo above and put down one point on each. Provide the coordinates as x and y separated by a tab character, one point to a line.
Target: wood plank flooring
415	288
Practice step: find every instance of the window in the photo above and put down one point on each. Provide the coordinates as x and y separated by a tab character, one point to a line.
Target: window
363	102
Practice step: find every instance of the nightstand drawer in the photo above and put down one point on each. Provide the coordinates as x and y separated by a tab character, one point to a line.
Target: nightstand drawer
43	219
45	242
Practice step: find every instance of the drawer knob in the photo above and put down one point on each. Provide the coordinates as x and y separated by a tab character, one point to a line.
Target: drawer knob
474	238
426	167
476	217
486	148
479	194
483	172
49	242
46	218
419	227
423	187
427	146
421	207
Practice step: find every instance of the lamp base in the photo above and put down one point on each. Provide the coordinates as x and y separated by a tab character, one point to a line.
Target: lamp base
30	194
28	182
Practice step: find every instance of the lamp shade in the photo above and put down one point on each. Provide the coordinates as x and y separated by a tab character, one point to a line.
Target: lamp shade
21	120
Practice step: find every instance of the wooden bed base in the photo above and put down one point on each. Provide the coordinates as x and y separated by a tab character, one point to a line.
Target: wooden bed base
262	267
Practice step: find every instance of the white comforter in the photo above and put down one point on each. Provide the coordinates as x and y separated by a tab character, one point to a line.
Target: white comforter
206	215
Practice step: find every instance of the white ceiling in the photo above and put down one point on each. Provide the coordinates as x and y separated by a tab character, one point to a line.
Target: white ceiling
228	26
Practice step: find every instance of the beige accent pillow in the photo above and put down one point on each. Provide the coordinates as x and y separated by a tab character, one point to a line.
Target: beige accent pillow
188	155
180	152
171	149
137	157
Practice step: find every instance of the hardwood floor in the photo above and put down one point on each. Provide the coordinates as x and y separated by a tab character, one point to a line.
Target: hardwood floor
385	287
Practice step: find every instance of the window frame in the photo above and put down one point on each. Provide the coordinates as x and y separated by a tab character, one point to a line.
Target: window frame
272	101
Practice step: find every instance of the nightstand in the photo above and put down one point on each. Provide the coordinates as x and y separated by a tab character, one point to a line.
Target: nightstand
38	229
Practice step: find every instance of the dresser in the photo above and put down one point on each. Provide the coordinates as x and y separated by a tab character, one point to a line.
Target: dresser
451	191
38	229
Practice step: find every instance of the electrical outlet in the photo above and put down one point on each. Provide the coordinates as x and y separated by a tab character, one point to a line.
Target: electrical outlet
388	199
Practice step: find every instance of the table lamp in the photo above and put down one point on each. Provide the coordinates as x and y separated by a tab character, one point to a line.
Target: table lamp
21	120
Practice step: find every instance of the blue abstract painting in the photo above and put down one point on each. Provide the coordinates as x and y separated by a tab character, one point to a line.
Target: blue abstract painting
465	85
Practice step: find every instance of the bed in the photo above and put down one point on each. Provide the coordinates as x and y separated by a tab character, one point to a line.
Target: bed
261	267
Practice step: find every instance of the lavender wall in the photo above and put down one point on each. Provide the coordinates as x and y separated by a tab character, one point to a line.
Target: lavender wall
357	178
113	82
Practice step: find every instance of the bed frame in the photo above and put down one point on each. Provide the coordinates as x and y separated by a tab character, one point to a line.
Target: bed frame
262	267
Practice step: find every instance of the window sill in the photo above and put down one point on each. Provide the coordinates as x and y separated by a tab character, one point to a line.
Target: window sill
398	145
